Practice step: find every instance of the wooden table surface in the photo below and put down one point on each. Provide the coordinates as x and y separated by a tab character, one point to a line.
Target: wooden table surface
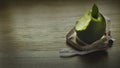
32	32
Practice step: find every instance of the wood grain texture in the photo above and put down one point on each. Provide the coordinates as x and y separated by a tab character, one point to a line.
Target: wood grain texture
32	32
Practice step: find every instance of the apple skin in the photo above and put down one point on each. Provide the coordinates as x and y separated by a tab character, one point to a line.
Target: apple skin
94	30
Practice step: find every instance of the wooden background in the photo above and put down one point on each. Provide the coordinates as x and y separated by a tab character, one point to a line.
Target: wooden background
32	32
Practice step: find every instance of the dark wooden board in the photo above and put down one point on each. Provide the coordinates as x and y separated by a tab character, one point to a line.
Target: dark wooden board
32	32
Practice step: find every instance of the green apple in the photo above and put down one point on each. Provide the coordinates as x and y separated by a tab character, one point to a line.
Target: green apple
91	26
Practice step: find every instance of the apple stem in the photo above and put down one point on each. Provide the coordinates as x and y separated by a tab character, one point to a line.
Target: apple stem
95	11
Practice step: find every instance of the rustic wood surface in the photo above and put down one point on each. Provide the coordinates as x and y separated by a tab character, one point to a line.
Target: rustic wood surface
32	32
